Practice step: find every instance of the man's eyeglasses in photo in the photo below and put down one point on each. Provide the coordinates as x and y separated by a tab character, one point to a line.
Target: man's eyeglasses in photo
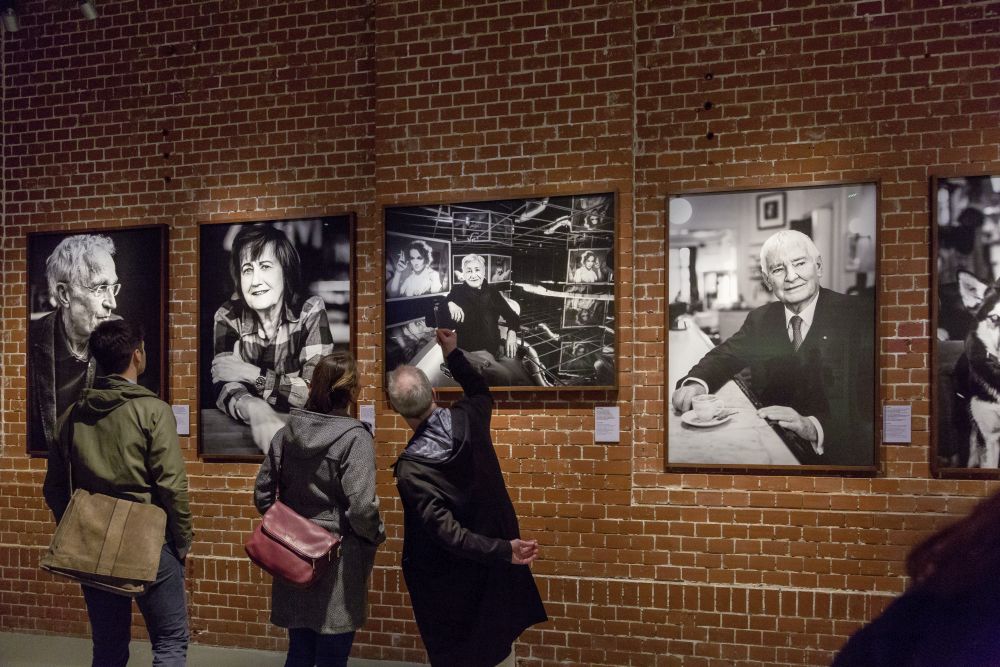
103	290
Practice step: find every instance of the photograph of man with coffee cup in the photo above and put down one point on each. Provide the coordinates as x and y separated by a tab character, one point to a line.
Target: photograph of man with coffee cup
803	362
707	407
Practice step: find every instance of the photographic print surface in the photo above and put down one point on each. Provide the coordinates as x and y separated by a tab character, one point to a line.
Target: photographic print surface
966	326
529	279
771	349
421	268
771	210
75	281
275	297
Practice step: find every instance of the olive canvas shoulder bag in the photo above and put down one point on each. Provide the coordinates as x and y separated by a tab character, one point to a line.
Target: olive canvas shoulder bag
105	542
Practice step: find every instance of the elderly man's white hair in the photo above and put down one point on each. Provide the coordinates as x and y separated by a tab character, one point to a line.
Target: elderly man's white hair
786	238
410	392
71	261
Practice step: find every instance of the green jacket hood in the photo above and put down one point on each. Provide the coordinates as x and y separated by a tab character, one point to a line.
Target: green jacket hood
106	395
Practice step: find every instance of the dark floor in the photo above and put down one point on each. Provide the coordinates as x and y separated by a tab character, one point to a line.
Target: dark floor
24	650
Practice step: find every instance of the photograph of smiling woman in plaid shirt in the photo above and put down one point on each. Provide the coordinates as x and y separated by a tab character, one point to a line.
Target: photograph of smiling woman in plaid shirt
266	338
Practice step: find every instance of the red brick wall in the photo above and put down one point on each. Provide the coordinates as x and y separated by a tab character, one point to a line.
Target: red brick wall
206	111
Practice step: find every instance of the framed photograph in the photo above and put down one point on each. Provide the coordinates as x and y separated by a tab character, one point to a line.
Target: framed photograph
76	280
772	367
422	267
275	296
499	270
771	210
965	326
524	278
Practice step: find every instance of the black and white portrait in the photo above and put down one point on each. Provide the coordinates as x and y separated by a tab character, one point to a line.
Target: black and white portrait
772	339
499	270
416	267
75	282
966	325
529	280
589	265
275	297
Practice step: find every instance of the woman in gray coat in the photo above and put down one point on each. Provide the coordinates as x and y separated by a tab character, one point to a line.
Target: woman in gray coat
322	465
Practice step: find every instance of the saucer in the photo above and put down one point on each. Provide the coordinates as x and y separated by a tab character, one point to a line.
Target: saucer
691	419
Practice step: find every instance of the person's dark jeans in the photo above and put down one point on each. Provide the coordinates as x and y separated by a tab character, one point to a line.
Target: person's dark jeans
163	607
308	648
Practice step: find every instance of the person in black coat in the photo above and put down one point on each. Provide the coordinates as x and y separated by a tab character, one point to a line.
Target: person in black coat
950	614
475	308
809	355
463	560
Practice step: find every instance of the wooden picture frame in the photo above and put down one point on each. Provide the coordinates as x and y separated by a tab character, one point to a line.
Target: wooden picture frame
139	265
527	244
736	340
965	261
319	319
771	210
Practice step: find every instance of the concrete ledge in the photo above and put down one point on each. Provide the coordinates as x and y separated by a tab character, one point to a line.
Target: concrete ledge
26	650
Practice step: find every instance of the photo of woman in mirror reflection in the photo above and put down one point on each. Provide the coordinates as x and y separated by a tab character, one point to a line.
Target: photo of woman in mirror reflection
267	339
415	262
501	272
587	270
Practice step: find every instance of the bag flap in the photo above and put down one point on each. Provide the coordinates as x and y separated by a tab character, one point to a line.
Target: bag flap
106	536
296	532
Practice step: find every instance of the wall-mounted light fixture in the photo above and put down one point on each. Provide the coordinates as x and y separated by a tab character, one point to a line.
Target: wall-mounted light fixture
88	9
9	13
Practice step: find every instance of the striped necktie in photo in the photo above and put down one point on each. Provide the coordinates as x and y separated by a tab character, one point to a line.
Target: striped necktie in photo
796	332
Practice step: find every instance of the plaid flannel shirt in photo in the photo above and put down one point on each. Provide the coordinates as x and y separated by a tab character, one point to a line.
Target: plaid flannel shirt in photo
288	359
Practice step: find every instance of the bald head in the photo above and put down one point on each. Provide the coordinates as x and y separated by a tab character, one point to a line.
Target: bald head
410	392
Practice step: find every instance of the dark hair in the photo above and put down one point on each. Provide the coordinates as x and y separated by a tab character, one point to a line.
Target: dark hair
334	383
250	241
960	556
113	342
423	248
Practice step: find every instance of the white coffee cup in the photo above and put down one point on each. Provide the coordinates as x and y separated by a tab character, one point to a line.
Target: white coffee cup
707	406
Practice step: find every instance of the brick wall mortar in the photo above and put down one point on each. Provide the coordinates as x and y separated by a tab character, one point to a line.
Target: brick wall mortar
317	110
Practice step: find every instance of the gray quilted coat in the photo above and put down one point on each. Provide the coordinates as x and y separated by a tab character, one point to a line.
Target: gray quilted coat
328	475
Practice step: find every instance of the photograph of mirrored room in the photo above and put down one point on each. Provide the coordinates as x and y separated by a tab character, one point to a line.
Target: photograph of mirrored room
530	280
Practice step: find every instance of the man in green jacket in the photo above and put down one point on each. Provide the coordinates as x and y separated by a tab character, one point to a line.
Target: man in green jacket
121	440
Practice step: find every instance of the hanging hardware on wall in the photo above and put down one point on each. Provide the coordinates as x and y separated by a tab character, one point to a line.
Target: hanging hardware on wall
10	21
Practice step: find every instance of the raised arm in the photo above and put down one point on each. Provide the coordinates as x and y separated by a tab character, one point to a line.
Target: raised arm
473	384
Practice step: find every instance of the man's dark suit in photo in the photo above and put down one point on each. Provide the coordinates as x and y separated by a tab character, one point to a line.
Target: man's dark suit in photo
821	391
830	377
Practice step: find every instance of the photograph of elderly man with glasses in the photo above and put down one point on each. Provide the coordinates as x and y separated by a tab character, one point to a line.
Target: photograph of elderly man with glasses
77	281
